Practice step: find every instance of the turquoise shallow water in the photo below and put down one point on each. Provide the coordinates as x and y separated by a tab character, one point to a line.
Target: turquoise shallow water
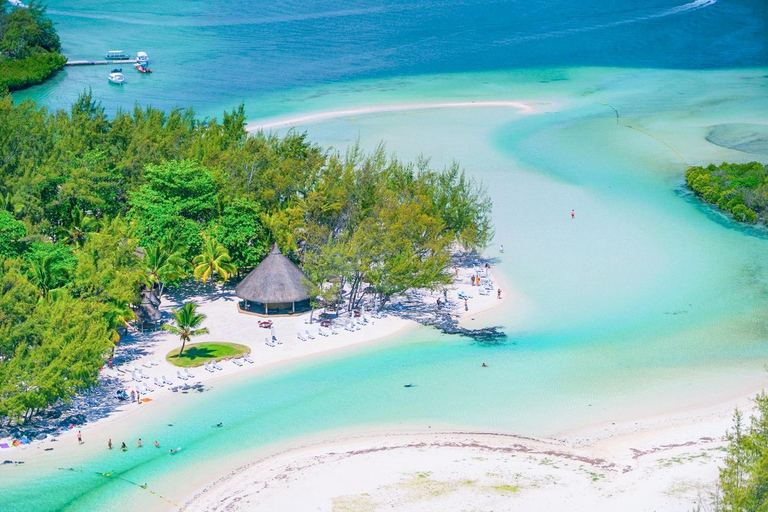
647	302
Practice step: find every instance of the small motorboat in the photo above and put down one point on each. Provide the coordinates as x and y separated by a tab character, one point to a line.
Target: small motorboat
141	68
116	77
142	58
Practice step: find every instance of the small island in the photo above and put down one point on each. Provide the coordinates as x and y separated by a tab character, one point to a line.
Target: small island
29	46
739	189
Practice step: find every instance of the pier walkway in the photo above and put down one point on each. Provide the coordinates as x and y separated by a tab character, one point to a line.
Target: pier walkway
98	62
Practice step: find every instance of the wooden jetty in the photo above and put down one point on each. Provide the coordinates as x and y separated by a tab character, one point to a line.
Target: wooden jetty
98	62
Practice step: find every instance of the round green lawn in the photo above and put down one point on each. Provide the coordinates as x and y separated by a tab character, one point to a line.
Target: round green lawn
197	354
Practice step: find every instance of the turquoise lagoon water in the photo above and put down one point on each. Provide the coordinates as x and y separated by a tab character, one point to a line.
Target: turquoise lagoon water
646	303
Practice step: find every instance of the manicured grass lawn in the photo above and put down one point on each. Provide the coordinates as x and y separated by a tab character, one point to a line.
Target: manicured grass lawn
196	354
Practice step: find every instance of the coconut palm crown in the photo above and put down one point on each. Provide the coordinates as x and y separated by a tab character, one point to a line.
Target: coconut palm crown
213	260
187	323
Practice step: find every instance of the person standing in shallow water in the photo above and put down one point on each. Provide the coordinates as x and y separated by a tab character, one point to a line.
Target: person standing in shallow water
109	443
79	437
573	214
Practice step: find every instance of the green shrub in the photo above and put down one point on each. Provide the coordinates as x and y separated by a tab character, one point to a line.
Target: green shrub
17	74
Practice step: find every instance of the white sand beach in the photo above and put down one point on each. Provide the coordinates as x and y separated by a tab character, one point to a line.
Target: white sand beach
523	107
145	352
660	464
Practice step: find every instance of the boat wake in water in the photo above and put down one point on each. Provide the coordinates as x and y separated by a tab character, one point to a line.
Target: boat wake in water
692	6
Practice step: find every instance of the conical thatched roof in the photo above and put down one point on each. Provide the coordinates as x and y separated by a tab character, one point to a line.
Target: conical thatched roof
276	280
147	311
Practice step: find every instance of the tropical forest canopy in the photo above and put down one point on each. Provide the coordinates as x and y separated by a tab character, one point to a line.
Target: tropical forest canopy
29	46
93	210
740	189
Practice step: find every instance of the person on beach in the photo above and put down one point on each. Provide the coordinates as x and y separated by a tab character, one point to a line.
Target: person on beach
498	293
501	248
138	397
157	445
109	443
139	443
455	271
438	303
133	396
472	279
573	214
79	437
466	306
124	448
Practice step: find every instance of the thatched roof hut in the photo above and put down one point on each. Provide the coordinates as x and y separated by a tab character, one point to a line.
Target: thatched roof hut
276	284
147	312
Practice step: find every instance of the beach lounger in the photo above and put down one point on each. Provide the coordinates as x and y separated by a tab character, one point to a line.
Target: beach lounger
301	336
135	377
349	327
237	362
188	373
322	331
216	365
142	374
146	364
309	336
248	358
208	367
333	331
158	383
146	388
268	343
165	380
180	375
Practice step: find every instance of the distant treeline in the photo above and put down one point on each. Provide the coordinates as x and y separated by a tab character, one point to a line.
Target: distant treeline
93	210
29	46
740	189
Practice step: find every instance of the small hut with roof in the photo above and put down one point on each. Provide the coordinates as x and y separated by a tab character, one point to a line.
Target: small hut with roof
148	311
276	286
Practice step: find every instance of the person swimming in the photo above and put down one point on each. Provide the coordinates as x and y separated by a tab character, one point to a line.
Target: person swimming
157	445
220	424
172	451
485	365
124	448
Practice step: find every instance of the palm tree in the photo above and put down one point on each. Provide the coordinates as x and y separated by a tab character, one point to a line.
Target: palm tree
187	323
115	316
79	225
213	260
46	274
162	263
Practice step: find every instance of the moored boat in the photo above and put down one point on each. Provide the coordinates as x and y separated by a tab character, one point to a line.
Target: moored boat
116	77
142	68
117	55
142	58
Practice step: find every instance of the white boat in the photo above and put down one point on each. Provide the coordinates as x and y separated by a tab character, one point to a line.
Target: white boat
117	55
116	77
142	59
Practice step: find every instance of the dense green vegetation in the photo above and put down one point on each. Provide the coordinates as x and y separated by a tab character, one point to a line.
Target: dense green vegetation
29	46
741	189
198	354
743	483
93	210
